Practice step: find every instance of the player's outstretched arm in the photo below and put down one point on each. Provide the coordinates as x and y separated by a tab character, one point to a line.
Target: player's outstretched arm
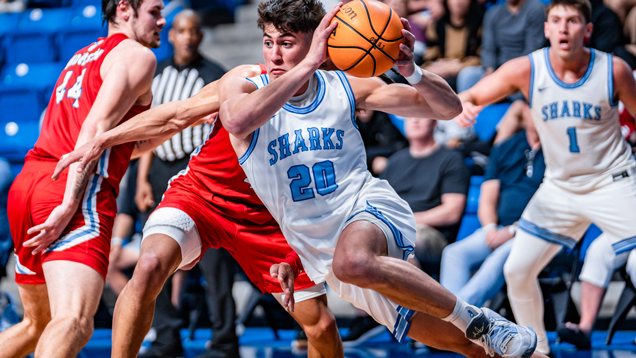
152	127
624	84
244	108
511	77
430	96
127	76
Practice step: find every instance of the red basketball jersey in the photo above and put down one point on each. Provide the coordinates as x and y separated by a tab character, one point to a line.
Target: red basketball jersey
215	172
73	97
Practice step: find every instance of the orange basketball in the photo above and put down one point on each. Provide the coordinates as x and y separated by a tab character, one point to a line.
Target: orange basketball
367	41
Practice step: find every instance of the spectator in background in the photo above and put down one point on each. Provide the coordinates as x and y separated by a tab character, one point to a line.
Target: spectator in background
607	35
510	30
178	78
12	5
513	174
453	41
434	182
380	137
621	7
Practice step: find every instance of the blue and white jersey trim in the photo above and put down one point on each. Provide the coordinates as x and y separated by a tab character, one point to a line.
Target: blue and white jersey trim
21	269
352	99
624	245
403	323
314	104
610	80
531	80
397	234
90	230
250	149
102	166
546	234
576	84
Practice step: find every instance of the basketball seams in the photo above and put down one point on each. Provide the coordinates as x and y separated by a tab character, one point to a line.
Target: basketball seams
385	27
364	37
372	42
388	21
369	18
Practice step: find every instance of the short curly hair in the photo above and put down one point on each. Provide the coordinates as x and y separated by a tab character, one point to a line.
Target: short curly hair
291	15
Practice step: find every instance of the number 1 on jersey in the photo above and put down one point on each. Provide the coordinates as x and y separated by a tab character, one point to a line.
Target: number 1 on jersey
574	145
324	178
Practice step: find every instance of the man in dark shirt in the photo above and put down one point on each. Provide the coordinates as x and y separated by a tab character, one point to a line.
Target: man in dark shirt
510	29
380	137
513	174
434	181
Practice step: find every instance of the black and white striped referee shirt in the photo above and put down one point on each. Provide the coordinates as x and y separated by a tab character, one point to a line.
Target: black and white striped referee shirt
174	83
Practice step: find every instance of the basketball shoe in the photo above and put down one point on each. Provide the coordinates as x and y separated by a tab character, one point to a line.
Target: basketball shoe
499	336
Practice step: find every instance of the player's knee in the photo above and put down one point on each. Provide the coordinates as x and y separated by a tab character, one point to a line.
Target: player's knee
36	325
454	253
150	272
357	269
85	327
516	274
75	325
325	331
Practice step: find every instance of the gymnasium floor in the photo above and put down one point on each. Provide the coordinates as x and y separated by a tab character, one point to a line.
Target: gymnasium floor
260	343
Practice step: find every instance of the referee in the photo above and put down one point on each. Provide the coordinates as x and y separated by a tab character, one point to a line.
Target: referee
178	78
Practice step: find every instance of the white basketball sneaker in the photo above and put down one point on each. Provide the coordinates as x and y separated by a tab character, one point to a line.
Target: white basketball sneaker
499	336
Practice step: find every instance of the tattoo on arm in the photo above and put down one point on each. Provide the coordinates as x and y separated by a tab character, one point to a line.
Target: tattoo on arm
82	179
140	143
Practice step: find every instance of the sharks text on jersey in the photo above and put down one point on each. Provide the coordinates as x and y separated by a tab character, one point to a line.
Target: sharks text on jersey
303	140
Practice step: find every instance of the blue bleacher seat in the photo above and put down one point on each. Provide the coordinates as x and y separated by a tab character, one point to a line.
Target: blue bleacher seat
8	23
85	27
19	121
18	103
470	221
487	120
97	3
39	76
17	138
33	38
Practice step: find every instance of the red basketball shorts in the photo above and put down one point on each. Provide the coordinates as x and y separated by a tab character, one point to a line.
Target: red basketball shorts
86	239
249	234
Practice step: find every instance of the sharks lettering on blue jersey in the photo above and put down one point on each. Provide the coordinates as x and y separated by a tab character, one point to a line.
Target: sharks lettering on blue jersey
303	140
571	109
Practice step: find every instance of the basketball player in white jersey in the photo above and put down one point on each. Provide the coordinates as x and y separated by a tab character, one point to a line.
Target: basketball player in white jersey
573	92
295	135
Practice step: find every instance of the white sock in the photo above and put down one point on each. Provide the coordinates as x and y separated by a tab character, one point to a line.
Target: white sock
462	314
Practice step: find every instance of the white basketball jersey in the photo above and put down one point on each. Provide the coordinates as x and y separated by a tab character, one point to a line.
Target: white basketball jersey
307	165
577	122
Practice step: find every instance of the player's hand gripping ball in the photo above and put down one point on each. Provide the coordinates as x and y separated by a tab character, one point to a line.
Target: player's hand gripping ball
367	41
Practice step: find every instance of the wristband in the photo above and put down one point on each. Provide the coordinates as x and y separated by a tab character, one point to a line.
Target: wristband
512	229
416	77
489	227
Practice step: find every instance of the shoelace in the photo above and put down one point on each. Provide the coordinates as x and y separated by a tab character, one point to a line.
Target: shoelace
500	336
